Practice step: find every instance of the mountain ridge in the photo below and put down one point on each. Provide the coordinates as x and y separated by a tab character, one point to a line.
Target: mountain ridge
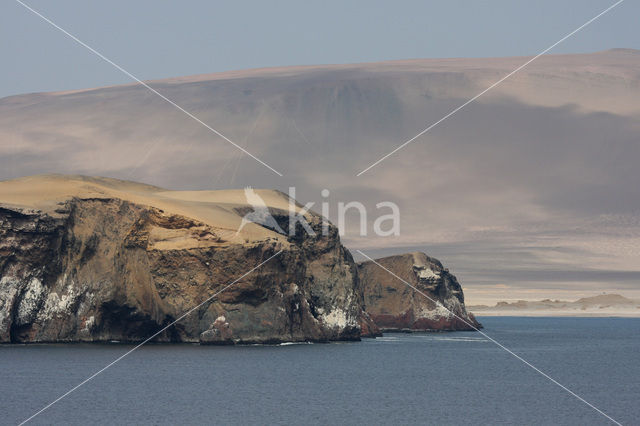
261	71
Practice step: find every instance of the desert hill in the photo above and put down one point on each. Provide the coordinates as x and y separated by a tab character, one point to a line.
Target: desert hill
600	305
551	152
324	116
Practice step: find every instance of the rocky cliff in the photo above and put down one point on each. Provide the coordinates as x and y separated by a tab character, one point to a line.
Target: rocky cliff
395	306
94	259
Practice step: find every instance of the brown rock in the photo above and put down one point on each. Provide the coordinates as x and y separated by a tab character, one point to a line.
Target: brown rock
437	305
93	259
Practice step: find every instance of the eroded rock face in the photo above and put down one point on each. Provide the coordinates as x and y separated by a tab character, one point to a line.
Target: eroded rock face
104	269
97	259
394	306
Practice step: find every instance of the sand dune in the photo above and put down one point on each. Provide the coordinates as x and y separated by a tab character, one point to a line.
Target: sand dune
215	208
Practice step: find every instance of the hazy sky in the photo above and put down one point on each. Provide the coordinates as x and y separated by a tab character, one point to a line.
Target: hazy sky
159	38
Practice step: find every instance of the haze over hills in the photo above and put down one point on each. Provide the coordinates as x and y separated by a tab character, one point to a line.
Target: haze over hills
594	306
532	188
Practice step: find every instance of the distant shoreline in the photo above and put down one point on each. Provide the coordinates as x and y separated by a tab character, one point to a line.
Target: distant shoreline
600	306
553	314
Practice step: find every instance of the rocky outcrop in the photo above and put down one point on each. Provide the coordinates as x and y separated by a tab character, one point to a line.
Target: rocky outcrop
437	305
97	267
94	259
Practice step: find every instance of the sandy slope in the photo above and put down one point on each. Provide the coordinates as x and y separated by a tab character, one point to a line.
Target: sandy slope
214	208
552	80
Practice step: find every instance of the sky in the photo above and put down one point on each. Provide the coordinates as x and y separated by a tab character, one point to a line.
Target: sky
155	39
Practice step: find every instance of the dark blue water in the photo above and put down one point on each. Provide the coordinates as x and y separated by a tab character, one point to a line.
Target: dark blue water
449	378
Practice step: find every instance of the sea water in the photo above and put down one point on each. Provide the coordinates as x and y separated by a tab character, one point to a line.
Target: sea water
420	378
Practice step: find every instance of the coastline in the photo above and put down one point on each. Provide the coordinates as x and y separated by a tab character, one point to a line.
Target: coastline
552	314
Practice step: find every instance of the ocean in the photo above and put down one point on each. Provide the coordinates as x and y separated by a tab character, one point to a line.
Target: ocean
420	378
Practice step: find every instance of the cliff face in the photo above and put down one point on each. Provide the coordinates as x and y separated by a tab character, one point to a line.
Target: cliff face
393	305
95	259
99	267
